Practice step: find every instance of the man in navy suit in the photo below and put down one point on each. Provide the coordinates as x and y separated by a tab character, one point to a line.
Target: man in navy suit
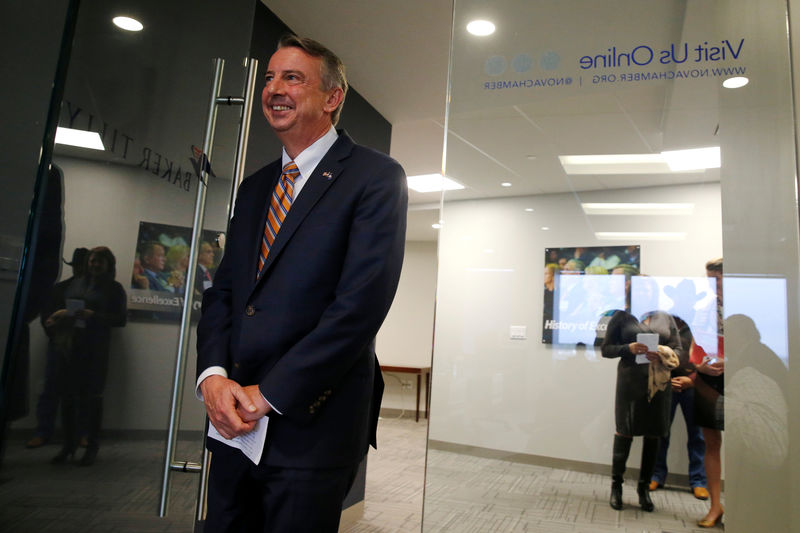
290	334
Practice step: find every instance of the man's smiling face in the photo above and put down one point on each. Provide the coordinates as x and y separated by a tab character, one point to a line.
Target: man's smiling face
293	100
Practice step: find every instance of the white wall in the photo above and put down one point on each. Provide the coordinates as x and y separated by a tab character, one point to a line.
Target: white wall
103	206
521	395
406	337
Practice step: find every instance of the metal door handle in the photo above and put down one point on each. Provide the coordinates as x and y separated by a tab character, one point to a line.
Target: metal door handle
170	464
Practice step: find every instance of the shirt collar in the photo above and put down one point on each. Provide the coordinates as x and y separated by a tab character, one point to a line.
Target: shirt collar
308	159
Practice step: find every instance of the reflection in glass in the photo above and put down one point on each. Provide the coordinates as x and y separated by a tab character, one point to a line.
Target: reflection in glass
582	301
79	327
144	96
693	300
763	300
49	399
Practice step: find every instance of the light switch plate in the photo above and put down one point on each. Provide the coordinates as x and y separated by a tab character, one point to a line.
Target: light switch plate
518	332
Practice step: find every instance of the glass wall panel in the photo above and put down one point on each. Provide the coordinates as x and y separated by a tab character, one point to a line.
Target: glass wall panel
101	352
606	164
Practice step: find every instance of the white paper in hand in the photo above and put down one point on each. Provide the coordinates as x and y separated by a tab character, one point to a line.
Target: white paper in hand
73	305
251	444
651	340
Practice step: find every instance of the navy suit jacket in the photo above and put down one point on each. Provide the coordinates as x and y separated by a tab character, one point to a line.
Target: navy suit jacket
154	281
304	331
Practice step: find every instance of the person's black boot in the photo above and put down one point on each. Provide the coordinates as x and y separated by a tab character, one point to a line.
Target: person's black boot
622	447
649	454
89	456
645	502
616	493
64	456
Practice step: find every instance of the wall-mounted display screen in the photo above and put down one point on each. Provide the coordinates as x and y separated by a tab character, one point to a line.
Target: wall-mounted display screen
691	300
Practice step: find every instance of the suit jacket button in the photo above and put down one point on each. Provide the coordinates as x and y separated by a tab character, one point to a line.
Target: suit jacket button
235	365
328	392
317	403
250	310
311	410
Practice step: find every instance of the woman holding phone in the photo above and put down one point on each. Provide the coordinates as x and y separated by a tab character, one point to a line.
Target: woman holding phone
709	383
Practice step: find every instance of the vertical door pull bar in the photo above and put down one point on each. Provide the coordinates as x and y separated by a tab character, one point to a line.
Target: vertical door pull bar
170	464
244	132
236	179
186	316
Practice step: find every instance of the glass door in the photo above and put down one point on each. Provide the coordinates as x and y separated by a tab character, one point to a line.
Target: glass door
95	350
611	155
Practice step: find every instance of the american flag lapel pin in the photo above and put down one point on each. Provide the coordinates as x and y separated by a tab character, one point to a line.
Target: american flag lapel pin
327	175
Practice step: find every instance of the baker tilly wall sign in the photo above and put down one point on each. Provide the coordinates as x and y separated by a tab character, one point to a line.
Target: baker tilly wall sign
123	145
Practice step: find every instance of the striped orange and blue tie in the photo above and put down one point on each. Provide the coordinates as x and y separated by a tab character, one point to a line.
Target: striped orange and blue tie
279	205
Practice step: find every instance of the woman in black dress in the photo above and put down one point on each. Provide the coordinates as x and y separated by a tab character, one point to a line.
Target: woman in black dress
92	305
636	412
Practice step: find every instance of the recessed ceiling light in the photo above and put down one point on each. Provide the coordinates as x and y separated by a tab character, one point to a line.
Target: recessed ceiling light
530	157
436	226
432	183
506	184
545	228
648	209
127	23
79	138
692	159
641	235
735	83
614	164
480	28
529	209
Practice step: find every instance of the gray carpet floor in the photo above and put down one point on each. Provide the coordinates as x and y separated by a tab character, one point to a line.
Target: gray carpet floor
464	493
468	494
119	493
